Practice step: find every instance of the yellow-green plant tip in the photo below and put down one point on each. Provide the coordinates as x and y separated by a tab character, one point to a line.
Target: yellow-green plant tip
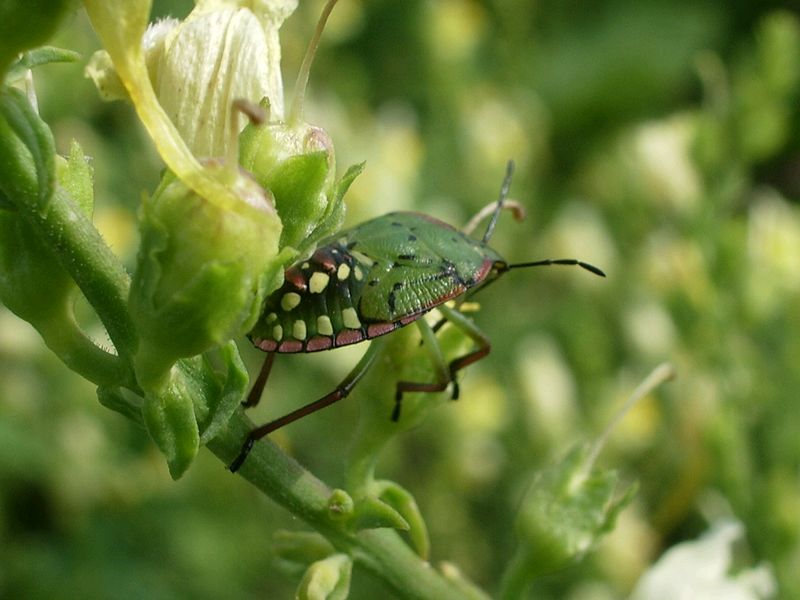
340	505
327	579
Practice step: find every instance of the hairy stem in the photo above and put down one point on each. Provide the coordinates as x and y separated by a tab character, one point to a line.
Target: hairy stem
79	353
90	263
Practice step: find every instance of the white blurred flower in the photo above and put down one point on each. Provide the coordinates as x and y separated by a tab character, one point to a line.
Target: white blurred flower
698	570
773	245
549	387
663	150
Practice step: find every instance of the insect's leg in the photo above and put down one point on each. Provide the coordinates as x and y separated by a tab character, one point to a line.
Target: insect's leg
341	391
443	378
258	387
469	328
445	375
456	305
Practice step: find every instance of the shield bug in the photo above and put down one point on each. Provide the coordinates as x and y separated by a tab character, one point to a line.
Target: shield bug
370	280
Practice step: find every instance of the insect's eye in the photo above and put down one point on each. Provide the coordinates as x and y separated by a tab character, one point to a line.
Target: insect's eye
500	266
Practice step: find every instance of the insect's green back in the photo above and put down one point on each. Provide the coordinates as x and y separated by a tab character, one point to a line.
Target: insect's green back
369	280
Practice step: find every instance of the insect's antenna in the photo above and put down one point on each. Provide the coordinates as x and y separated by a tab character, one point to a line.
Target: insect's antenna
298	100
502	198
557	261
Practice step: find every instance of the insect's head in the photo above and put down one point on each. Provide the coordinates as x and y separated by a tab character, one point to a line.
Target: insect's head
500	266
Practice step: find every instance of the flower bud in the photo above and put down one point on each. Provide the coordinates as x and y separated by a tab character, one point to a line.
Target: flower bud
297	165
202	271
219	53
566	511
327	579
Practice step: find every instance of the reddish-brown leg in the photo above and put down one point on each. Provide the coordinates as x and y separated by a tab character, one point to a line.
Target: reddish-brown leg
258	387
341	391
446	374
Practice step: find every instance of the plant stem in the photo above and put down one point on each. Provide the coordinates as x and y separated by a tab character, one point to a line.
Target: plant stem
516	578
79	353
381	551
89	261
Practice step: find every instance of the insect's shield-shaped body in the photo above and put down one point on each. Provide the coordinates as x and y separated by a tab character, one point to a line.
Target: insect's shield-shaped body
370	280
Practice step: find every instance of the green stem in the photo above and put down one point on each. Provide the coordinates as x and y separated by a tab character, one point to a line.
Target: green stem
381	551
66	229
516	578
89	261
362	458
79	353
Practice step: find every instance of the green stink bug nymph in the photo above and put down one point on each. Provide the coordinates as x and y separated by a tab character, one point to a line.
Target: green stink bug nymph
368	281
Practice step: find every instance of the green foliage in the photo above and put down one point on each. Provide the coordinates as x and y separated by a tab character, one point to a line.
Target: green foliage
657	140
564	514
36	58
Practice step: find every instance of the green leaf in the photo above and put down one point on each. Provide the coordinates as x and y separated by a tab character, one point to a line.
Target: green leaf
34	134
224	385
566	511
37	57
122	401
170	421
344	184
76	176
334	213
373	513
406	506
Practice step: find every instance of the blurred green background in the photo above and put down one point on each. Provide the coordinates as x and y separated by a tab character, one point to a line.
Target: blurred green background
657	139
